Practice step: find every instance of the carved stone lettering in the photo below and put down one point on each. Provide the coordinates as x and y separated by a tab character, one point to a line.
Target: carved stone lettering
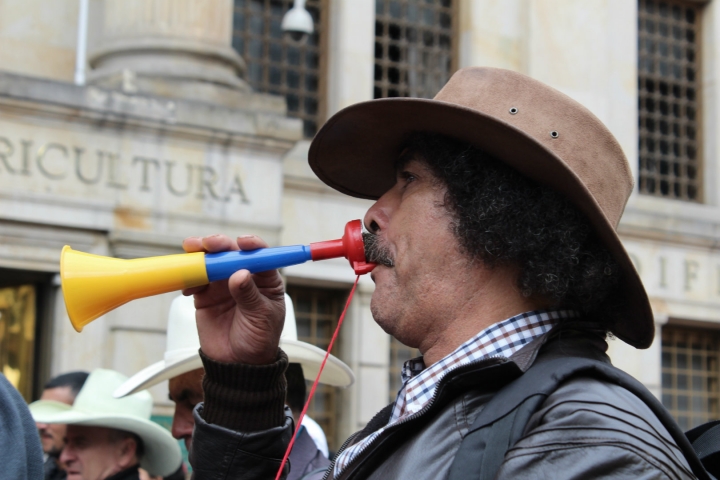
26	156
146	162
88	180
691	273
169	179
237	187
54	167
207	181
6	152
114	175
663	272
58	162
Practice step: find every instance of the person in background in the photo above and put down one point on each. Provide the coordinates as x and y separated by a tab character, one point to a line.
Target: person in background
310	462
63	388
109	438
20	450
183	367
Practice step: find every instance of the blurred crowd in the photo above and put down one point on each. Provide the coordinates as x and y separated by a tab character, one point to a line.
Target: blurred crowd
97	425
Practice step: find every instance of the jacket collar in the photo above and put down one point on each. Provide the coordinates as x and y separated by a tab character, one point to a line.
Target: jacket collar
590	332
131	473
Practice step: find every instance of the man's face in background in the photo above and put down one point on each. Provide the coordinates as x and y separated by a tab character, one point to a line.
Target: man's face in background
186	391
93	453
52	435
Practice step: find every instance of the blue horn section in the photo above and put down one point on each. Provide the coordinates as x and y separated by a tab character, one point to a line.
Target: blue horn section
222	265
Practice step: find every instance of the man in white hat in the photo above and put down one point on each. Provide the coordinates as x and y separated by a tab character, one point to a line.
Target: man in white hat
63	388
109	438
183	367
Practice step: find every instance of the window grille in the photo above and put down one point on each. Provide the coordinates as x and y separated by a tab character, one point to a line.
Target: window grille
399	354
414	47
317	311
691	375
279	65
668	86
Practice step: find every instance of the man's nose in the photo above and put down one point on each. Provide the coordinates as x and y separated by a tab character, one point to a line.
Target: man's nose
41	426
183	423
377	216
67	455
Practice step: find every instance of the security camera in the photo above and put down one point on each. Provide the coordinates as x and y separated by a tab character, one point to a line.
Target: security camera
297	22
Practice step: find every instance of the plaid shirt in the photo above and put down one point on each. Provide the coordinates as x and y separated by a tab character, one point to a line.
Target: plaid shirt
419	383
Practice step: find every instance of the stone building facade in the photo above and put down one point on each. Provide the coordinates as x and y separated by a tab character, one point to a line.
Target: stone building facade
196	119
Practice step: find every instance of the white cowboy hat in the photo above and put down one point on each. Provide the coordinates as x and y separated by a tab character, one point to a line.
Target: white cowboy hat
183	343
96	407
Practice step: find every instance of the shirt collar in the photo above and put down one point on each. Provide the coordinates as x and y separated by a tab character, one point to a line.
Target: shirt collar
534	322
499	339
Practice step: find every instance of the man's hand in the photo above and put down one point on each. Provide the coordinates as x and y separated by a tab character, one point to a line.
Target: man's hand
239	320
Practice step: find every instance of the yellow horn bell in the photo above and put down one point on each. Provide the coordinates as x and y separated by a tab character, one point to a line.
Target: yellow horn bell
93	285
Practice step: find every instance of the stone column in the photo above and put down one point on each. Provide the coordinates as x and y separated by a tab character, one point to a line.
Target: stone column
351	53
173	48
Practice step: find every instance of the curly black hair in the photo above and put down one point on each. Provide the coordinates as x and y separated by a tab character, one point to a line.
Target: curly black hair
502	217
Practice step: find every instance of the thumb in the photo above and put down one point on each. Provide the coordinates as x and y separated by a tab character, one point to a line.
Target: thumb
253	302
244	291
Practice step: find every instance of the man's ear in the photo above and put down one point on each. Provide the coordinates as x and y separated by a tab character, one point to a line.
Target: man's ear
128	453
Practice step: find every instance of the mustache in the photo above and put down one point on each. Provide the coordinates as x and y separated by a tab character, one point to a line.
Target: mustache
376	251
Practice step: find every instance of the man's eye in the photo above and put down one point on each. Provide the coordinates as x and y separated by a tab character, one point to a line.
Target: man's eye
407	177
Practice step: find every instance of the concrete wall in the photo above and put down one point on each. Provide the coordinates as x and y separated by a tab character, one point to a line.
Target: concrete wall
38	38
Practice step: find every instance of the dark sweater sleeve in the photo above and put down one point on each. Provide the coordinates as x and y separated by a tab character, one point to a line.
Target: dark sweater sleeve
245	398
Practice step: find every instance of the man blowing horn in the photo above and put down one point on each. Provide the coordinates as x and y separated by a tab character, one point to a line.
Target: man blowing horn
495	220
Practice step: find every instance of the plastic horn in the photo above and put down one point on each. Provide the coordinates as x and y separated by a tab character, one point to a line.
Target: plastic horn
94	285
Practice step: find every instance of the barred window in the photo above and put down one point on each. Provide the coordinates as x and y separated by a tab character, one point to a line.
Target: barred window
668	86
414	47
691	375
399	354
279	65
317	311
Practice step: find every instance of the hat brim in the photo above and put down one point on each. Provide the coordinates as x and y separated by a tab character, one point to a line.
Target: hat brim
356	150
310	357
162	455
158	372
336	373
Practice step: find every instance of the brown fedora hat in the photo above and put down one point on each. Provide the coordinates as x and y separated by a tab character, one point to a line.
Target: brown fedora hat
540	132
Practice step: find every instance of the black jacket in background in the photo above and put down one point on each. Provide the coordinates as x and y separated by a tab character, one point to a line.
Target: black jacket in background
305	458
53	470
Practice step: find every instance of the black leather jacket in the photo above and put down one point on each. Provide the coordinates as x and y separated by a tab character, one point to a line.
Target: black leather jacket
131	473
53	470
586	429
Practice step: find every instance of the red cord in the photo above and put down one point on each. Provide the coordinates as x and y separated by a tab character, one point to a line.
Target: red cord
317	379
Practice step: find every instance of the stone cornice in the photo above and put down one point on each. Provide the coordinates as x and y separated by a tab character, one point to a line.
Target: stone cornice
677	222
262	123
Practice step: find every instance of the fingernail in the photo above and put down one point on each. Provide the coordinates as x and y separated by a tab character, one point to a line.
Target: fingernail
246	236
